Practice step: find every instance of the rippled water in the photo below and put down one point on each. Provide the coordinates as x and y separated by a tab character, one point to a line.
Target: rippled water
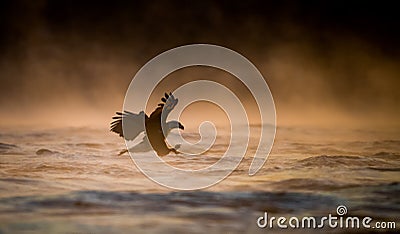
71	180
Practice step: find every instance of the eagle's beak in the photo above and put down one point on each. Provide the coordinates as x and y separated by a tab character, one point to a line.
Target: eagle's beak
181	127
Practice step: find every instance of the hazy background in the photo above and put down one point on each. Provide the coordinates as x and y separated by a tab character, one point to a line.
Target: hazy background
328	63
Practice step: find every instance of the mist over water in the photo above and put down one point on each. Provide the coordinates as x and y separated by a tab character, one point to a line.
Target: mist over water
76	62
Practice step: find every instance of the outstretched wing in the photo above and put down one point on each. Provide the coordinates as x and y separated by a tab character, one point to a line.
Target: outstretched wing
134	124
168	104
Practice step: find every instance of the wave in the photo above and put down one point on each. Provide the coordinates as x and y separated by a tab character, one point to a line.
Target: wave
172	202
5	146
9	149
385	169
44	151
307	184
346	161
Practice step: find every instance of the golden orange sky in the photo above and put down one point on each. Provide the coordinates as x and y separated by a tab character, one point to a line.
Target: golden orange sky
60	67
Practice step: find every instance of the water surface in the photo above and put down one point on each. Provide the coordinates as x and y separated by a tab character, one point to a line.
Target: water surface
71	180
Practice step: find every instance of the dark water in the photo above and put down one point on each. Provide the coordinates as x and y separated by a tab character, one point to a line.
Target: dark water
71	181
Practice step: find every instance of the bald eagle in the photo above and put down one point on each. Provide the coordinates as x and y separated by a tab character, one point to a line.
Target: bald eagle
156	128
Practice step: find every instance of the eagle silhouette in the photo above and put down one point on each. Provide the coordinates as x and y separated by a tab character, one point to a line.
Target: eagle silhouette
156	128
